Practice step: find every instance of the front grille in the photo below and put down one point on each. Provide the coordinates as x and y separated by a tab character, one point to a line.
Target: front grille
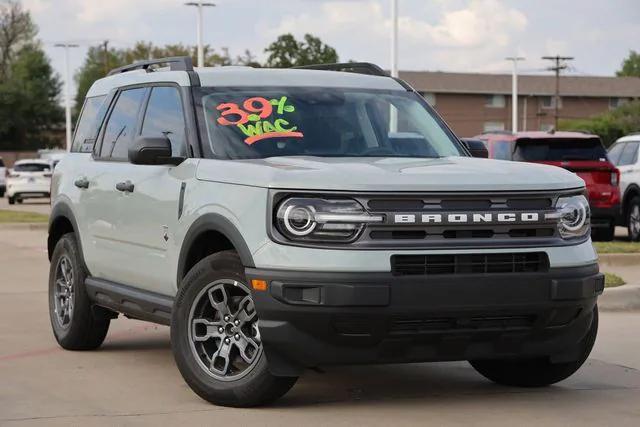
409	265
402	326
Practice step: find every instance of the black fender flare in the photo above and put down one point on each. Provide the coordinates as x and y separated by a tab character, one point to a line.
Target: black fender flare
220	224
63	210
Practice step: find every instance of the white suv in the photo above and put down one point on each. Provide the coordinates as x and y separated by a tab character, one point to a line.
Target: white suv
29	179
624	154
280	220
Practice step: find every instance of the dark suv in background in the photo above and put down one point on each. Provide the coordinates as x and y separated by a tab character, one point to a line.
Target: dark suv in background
577	152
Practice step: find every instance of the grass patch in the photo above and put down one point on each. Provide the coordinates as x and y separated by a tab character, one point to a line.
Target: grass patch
21	217
613	280
617	247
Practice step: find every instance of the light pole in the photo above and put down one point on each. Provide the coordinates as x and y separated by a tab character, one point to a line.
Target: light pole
67	89
200	5
393	113
514	92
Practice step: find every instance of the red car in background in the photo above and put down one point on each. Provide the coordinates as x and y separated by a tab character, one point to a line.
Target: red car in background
577	152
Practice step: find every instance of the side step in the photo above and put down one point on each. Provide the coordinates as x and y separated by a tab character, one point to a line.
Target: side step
136	303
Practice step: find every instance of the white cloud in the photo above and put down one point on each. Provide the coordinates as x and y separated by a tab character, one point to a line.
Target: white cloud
481	28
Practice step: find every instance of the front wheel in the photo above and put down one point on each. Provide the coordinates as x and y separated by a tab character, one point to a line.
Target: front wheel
215	337
633	219
537	372
12	200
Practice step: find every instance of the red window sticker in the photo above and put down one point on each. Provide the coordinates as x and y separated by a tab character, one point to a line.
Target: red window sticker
259	118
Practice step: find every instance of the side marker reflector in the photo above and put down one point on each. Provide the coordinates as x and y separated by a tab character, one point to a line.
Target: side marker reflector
259	285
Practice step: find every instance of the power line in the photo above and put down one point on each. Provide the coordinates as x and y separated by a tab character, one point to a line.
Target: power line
559	66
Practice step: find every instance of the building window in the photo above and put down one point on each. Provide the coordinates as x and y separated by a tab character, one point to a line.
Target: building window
493	126
430	97
550	102
616	102
496	101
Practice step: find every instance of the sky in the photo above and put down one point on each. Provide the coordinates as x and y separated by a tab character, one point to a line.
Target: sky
445	35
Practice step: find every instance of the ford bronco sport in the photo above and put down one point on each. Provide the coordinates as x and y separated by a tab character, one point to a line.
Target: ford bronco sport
280	220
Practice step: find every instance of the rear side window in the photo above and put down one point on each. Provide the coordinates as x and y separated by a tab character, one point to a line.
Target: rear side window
31	167
615	152
164	116
90	118
559	149
121	124
629	155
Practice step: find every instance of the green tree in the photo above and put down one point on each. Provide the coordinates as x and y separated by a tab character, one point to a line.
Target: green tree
288	52
16	30
611	125
630	66
30	115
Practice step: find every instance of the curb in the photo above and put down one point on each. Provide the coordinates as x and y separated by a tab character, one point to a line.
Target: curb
24	226
622	298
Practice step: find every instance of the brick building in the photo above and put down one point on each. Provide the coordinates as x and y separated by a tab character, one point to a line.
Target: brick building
473	103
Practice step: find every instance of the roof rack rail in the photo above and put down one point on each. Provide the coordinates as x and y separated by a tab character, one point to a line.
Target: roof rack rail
350	67
176	63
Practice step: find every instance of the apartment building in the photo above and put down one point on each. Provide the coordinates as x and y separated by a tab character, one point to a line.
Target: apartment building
472	103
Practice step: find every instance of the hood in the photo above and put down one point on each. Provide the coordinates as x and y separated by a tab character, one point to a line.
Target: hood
388	174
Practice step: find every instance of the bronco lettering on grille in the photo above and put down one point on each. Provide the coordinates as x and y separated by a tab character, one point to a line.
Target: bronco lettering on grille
468	218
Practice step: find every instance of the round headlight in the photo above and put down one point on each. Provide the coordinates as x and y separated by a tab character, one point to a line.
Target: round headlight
299	220
574	216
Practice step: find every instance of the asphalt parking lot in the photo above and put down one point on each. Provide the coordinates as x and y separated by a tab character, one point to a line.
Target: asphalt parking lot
132	379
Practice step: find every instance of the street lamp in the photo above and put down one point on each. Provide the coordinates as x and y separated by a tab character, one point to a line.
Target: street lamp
514	92
200	5
67	89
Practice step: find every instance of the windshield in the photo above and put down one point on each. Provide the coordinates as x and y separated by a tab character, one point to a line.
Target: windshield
559	149
328	122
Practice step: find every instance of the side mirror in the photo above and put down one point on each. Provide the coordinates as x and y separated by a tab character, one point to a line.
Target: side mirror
476	147
152	150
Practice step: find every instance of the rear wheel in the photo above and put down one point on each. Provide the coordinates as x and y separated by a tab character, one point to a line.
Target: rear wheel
633	219
76	326
537	372
12	200
215	336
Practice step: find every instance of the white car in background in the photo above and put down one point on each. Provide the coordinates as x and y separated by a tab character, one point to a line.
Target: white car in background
29	179
624	154
3	172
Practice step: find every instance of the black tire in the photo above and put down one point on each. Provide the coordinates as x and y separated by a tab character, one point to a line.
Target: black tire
1	193
12	200
85	328
19	201
255	385
633	219
538	372
604	234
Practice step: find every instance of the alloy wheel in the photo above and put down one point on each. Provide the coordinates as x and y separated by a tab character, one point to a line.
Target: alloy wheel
223	330
64	293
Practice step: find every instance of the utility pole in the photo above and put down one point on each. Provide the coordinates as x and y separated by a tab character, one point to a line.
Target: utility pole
559	66
67	89
393	113
200	5
105	56
514	92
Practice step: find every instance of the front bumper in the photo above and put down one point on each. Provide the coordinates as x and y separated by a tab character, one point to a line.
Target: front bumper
310	319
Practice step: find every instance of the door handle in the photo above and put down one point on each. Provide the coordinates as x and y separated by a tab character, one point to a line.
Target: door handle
81	182
126	186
